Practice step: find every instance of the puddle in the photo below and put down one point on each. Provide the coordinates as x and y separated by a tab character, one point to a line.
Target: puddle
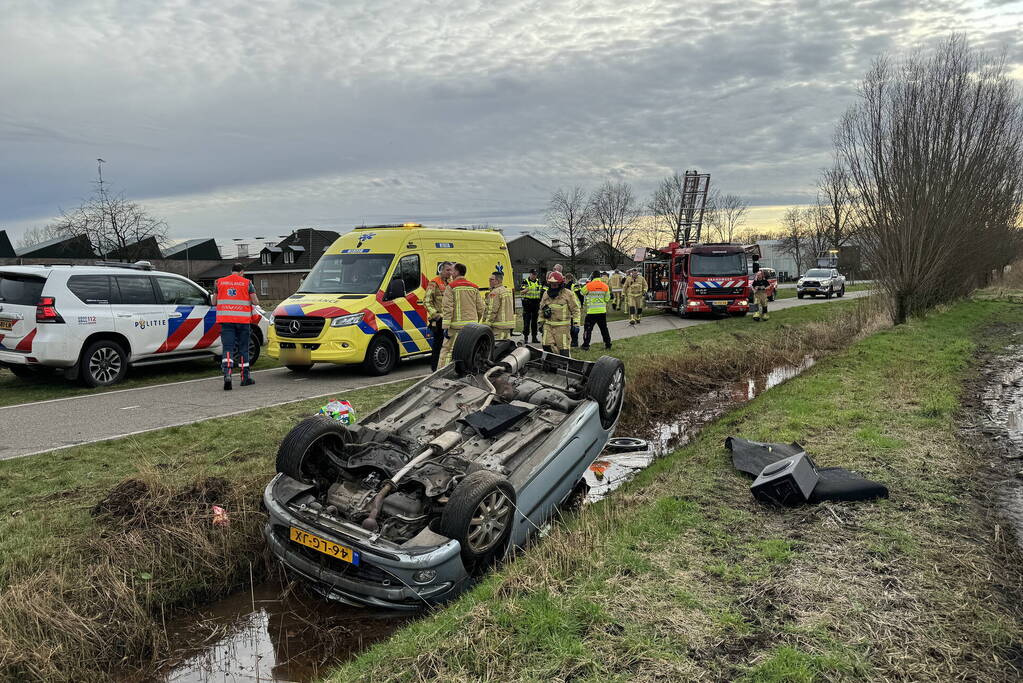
1002	401
260	635
614	469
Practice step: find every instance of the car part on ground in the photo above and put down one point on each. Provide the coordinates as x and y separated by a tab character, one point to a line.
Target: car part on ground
425	493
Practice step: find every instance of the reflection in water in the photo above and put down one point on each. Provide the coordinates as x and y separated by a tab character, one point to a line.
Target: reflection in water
260	635
614	469
1003	403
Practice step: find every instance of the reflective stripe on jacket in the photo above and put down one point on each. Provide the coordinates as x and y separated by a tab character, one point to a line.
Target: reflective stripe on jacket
500	313
616	281
635	286
463	304
598	294
532	290
434	300
564	308
233	302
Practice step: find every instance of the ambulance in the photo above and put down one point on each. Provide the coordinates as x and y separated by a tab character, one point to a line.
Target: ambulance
362	303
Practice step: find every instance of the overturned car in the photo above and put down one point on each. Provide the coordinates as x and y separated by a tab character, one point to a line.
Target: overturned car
406	507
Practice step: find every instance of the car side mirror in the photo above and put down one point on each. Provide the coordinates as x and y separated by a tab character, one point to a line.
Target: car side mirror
395	289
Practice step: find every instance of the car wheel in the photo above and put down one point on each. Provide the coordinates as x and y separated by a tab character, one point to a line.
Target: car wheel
771	298
841	292
254	348
301	369
473	349
830	293
306	452
740	314
103	363
479	515
606	386
23	371
799	295
627	444
381	356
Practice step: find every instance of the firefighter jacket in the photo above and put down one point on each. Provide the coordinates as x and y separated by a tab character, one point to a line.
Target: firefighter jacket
234	305
635	286
500	313
616	281
463	304
597	296
761	284
532	289
435	298
564	308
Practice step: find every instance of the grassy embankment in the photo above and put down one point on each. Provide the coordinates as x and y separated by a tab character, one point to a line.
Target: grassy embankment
682	576
79	591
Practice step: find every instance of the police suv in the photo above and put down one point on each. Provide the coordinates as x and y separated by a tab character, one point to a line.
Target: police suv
92	322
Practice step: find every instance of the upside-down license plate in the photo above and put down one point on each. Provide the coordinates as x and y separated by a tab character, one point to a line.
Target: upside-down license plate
324	546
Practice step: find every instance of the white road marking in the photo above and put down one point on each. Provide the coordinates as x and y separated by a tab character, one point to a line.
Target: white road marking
130	407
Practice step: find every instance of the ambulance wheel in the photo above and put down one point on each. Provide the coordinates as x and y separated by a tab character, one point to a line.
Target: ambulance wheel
305	453
473	349
606	386
301	369
381	356
103	363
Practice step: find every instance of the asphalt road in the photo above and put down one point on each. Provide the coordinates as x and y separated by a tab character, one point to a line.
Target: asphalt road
42	426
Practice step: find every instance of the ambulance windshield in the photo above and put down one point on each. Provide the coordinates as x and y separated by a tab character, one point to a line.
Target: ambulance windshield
733	263
347	274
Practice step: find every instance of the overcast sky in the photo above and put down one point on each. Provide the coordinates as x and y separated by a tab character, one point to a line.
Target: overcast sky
236	119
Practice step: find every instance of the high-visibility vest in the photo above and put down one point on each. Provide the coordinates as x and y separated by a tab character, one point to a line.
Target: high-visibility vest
534	290
233	302
597	296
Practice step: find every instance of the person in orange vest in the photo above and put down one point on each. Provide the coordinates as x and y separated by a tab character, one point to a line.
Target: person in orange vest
234	296
434	302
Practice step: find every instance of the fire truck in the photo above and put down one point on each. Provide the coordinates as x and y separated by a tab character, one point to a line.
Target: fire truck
702	278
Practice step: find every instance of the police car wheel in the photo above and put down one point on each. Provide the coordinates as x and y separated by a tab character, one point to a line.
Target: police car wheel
305	453
381	356
103	363
606	386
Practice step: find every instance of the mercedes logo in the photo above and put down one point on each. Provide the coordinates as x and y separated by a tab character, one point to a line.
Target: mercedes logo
294	327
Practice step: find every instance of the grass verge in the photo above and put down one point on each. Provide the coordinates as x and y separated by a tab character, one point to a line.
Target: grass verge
682	576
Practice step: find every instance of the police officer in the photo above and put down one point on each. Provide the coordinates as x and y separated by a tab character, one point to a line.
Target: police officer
462	305
615	282
560	310
532	292
500	312
234	296
760	286
634	289
434	309
598	294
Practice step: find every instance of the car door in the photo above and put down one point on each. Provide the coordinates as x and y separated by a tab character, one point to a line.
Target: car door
138	314
191	321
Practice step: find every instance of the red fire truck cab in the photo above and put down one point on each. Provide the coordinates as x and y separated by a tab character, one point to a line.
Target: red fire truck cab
703	278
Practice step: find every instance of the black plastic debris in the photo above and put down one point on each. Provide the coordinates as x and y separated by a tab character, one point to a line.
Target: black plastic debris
789	485
494	419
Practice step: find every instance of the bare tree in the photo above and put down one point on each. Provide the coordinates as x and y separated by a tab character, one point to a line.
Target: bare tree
794	236
934	152
669	209
726	213
36	235
615	211
113	224
568	220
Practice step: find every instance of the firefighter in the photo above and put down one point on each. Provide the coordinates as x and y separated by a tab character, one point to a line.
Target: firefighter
462	304
531	292
615	282
634	289
572	285
760	285
434	309
500	312
233	298
560	310
598	294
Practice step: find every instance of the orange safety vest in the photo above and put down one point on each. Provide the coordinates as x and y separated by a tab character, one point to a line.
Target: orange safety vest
233	302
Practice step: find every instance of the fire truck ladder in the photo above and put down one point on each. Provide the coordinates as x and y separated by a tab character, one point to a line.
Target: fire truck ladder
694	203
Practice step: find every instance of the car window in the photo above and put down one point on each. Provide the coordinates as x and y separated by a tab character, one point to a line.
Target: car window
91	289
135	289
408	271
177	292
23	290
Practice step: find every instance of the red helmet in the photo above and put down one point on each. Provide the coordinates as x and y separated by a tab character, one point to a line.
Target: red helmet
555	276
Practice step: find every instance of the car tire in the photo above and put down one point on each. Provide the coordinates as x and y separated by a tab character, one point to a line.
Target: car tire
473	349
606	386
740	314
254	348
300	369
381	356
799	295
841	292
830	293
771	298
103	363
626	444
304	454
23	371
470	517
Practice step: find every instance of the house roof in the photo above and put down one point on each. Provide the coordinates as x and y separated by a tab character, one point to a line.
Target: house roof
59	247
306	245
200	248
597	252
6	250
143	249
551	251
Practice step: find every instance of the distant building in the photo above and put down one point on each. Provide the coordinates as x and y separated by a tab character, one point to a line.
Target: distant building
279	269
78	247
528	253
783	263
6	250
199	249
143	250
603	257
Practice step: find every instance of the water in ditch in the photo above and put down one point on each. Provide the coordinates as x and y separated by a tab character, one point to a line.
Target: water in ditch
269	634
1002	423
